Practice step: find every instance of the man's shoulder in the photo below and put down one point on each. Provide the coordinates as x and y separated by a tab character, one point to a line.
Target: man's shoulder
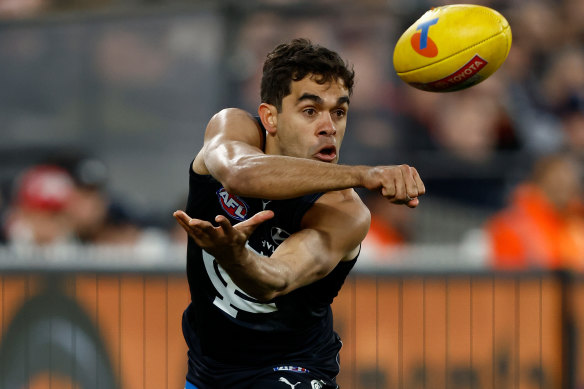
233	113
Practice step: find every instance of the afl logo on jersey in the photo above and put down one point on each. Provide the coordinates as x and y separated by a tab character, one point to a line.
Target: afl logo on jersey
233	205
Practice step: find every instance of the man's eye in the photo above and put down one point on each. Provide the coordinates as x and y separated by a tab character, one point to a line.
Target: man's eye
340	113
310	111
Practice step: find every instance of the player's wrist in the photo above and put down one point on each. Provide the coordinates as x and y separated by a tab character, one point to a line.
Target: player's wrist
367	177
350	176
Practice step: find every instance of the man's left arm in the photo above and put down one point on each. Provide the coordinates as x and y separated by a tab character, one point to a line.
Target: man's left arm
332	230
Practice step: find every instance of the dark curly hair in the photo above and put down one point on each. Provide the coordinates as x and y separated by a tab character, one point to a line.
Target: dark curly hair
293	61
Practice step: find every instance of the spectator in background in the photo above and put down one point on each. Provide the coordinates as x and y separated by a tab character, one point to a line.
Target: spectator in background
572	14
469	129
97	218
543	224
89	204
564	92
36	216
563	81
260	31
471	125
22	8
543	71
572	119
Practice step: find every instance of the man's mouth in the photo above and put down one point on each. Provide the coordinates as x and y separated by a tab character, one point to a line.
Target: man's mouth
326	154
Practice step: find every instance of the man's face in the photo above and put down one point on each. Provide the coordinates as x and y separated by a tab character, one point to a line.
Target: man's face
312	120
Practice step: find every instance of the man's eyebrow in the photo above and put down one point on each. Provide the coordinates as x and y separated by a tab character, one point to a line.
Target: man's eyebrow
308	96
342	100
318	100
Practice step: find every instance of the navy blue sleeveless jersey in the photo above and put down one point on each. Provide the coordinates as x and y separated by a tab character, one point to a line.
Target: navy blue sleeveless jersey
229	332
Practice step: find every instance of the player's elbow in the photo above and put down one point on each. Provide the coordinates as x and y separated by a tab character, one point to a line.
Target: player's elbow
276	286
267	292
230	170
280	286
235	179
270	294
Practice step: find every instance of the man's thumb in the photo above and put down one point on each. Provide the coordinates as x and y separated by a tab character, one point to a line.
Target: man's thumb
249	225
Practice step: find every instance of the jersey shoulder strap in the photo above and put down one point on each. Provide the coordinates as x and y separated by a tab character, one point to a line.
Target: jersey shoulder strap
262	132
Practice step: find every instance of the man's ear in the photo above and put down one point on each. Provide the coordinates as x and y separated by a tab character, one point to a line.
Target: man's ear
269	116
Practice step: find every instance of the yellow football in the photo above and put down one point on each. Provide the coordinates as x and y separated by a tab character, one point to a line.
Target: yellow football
452	48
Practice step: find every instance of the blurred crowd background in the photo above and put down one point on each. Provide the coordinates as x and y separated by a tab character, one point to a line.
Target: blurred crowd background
103	105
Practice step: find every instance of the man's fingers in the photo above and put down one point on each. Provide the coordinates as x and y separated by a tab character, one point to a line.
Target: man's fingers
389	190
202	226
201	229
192	230
256	219
262	216
249	225
400	188
193	227
182	219
413	203
419	183
181	215
224	224
412	189
403	185
190	223
184	225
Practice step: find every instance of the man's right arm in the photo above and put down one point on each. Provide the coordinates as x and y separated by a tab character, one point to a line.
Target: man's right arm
232	153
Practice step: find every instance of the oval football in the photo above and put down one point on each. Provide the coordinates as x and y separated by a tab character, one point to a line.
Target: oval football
452	47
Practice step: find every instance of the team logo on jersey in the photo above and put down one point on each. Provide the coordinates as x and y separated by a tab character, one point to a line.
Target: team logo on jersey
295	369
279	235
284	380
422	43
233	205
230	299
317	384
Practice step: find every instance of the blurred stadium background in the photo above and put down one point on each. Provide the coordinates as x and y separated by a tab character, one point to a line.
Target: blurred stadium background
103	104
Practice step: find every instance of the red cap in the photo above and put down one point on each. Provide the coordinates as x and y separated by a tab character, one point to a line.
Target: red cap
45	187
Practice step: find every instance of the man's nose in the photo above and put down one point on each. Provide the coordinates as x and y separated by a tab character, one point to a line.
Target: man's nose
327	126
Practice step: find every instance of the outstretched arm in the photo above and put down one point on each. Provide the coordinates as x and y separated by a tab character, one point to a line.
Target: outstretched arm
233	154
331	231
